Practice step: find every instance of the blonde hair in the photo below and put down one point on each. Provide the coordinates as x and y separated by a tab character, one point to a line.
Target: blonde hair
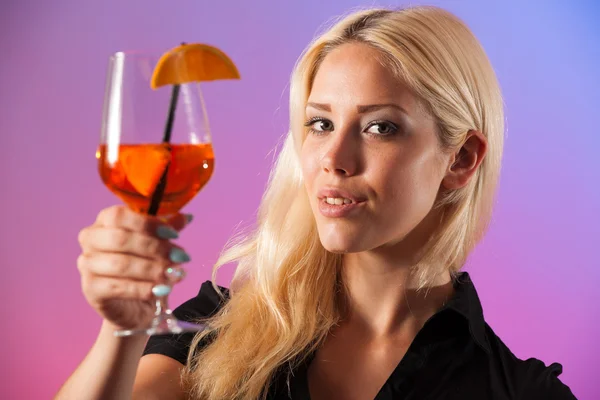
283	294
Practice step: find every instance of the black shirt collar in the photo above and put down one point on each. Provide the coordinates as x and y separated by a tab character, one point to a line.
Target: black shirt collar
466	303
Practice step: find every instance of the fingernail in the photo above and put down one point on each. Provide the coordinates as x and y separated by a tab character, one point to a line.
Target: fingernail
161	290
178	255
188	218
175	274
166	232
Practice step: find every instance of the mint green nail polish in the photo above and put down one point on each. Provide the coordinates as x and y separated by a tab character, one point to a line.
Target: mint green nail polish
178	256
175	273
166	232
161	290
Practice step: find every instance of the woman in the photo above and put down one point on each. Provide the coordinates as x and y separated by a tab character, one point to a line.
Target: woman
350	286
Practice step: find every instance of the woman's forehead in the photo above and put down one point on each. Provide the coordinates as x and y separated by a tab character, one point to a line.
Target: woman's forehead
352	75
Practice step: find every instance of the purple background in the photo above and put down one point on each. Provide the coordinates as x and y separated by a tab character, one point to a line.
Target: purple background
537	271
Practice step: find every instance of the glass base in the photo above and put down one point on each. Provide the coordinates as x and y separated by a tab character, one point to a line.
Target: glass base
165	324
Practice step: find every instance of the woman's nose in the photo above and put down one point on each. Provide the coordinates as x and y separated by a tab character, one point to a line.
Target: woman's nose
341	155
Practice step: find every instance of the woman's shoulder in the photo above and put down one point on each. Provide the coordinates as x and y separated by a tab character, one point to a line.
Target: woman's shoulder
530	378
205	304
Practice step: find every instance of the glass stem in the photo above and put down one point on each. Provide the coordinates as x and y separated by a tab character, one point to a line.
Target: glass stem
162	306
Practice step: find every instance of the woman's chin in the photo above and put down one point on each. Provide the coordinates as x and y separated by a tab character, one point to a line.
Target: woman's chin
341	245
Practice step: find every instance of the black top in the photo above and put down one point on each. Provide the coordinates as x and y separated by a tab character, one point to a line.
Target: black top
455	356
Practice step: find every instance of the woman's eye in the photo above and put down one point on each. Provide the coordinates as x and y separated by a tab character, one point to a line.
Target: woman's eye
382	128
320	125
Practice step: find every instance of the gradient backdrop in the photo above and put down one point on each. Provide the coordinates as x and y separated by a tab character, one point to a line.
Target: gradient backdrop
537	271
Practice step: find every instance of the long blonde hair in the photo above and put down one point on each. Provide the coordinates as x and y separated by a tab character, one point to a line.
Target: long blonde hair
283	294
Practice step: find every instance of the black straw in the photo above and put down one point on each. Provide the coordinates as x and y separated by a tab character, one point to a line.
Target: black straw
162	183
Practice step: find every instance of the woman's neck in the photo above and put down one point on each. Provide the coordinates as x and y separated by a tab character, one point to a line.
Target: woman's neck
380	296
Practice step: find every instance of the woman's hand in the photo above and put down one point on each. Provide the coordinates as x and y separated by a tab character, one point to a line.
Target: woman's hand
124	255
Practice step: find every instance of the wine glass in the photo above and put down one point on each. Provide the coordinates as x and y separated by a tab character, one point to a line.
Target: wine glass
155	154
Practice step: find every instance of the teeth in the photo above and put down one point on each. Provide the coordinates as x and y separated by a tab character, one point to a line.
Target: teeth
338	201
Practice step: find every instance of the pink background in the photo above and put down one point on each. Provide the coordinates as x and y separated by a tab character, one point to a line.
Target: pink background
537	271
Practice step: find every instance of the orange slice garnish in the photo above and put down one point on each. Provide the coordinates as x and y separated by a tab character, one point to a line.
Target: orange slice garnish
144	165
193	63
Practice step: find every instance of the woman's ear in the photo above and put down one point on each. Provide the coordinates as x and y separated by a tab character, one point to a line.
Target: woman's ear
464	163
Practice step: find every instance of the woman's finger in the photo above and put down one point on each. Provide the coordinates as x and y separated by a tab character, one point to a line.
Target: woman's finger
99	290
113	240
179	221
124	266
127	219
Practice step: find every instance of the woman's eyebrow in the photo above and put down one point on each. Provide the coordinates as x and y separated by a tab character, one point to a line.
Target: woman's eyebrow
319	106
375	107
361	108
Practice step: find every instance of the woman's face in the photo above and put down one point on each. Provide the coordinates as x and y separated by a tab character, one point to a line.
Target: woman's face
371	160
